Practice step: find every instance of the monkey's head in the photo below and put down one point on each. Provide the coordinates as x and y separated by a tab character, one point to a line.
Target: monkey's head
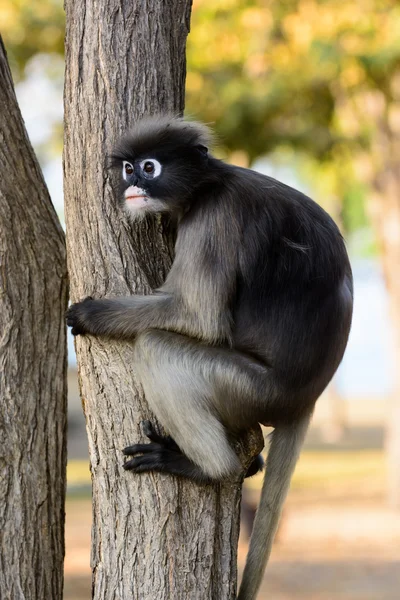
163	161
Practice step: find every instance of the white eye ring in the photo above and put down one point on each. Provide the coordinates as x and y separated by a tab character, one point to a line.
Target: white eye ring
125	164
157	168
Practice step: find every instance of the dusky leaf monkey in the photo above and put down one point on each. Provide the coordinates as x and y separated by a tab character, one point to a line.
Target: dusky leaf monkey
249	326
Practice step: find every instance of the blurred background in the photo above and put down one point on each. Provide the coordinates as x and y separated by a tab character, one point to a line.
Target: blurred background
308	92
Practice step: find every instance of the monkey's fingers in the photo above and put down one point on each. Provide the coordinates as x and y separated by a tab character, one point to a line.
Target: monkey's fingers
140	449
75	331
75	316
70	316
76	327
165	441
150	432
163	460
146	462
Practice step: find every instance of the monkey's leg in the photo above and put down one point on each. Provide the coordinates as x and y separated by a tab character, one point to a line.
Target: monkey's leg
163	455
193	389
167	456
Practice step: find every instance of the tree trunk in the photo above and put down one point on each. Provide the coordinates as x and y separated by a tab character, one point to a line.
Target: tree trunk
334	427
154	536
385	214
33	300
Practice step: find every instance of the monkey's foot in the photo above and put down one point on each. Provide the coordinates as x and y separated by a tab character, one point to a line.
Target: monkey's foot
166	440
256	466
162	455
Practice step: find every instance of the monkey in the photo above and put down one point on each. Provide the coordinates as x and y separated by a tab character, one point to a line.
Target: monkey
248	328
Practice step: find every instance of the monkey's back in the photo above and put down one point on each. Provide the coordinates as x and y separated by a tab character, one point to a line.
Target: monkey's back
293	302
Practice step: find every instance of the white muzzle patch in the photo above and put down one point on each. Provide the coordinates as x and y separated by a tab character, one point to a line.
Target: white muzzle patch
136	197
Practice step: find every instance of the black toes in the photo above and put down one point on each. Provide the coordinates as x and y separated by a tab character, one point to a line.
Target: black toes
146	462
165	441
150	432
156	456
162	455
140	449
256	466
153	457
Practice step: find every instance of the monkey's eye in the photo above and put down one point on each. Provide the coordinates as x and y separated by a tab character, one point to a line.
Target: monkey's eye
127	169
151	168
148	167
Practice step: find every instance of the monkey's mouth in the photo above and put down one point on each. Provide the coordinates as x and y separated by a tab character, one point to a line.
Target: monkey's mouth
136	196
136	199
136	203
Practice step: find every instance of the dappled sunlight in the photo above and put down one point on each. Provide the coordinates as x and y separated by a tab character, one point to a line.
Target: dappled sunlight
307	92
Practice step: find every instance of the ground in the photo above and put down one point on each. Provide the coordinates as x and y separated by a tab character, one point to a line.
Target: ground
338	539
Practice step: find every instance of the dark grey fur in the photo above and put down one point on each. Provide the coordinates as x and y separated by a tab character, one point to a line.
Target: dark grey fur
249	327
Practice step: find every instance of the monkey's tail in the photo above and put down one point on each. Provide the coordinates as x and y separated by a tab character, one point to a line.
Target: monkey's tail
282	458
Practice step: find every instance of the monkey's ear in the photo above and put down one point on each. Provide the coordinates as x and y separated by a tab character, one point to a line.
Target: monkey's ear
202	149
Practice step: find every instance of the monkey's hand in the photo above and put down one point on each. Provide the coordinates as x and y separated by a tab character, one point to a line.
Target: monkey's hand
118	318
78	316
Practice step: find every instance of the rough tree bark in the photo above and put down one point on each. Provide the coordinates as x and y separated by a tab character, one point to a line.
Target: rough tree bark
33	300
153	537
385	214
383	163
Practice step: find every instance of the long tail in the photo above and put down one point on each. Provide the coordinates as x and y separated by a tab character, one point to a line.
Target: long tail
282	458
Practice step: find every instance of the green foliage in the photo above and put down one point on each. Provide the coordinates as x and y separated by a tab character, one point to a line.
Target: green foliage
316	75
30	28
321	77
271	73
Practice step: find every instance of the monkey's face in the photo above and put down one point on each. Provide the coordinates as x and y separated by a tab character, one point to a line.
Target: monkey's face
163	161
138	191
161	182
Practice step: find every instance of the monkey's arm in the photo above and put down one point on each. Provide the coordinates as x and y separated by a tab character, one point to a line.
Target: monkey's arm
121	318
204	273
